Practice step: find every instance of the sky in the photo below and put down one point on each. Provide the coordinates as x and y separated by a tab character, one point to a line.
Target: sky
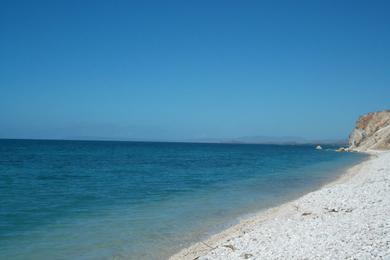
182	70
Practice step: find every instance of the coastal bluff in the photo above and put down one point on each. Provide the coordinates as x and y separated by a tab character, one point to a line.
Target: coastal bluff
372	132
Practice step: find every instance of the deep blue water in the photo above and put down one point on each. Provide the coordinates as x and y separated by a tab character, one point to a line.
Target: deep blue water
104	200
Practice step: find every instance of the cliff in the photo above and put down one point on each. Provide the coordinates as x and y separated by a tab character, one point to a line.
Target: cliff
372	132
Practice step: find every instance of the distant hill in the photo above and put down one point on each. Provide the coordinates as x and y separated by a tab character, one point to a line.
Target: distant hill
268	140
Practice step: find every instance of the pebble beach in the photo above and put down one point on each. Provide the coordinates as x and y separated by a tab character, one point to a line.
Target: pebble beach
346	219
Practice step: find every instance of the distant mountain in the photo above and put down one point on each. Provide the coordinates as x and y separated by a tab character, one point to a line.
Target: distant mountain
238	140
268	140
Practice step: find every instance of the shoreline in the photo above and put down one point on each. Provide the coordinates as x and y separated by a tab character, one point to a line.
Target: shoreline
233	242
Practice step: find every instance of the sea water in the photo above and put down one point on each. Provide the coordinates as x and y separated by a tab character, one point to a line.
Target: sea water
139	200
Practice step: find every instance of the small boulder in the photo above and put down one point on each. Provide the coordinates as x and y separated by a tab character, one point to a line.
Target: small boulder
342	149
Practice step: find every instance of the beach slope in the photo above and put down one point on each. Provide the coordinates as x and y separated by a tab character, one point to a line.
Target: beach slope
348	219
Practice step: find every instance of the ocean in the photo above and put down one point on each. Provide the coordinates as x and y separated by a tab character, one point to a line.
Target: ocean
143	200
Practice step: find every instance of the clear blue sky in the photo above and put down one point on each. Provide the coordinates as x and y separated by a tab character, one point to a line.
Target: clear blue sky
191	69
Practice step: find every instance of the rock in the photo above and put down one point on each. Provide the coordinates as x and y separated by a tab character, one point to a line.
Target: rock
230	246
342	149
372	131
318	147
246	255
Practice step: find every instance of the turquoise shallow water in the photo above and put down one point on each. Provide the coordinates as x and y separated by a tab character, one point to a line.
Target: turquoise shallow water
134	200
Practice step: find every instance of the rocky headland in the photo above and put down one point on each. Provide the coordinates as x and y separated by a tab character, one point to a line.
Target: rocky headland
371	132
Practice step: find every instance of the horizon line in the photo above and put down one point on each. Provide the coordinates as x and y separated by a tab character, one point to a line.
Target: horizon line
308	142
